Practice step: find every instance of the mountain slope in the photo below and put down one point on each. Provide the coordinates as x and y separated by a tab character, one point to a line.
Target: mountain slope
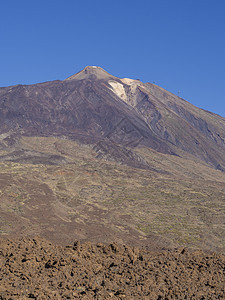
98	158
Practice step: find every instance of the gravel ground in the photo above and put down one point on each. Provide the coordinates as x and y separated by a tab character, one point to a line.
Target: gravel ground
35	268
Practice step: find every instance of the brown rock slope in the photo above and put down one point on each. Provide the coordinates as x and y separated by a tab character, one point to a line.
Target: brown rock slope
37	269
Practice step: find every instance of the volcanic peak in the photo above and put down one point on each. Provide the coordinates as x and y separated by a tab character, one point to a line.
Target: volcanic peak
91	72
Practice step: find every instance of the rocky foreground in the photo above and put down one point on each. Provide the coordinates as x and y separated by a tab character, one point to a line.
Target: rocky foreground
38	269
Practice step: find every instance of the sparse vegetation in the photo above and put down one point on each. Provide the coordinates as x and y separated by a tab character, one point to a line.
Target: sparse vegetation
89	194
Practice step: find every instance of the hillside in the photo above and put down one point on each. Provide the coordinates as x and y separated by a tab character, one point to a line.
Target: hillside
102	159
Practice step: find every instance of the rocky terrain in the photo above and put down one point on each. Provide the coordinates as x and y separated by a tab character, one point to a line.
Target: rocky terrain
37	269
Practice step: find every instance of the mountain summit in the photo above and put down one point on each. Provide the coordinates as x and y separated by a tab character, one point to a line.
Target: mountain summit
91	72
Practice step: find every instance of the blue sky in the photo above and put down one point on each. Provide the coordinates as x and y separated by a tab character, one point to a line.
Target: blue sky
179	45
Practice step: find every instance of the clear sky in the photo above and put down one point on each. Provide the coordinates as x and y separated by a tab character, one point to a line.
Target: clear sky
178	44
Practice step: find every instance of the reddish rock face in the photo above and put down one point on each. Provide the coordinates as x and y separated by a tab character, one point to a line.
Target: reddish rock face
114	115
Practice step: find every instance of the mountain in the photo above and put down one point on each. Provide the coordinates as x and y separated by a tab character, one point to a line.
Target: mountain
115	115
101	158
